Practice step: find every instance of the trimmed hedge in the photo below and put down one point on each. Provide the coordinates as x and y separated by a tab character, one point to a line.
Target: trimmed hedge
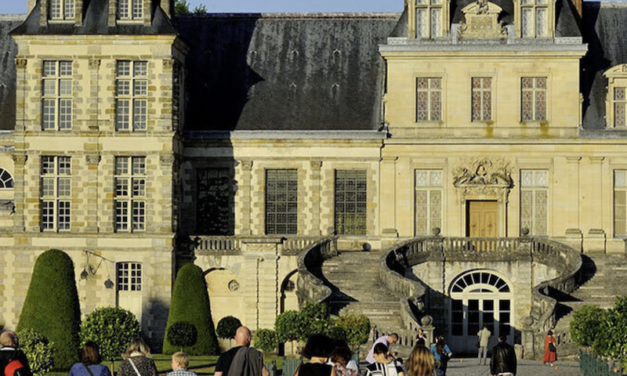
52	307
227	327
266	340
190	303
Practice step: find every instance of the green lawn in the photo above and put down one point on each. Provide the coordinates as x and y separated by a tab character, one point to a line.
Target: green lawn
202	365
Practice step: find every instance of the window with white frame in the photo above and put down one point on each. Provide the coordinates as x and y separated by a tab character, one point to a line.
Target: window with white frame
131	96
131	10
620	203
130	194
429	19
56	193
534	197
429	99
481	98
61	10
534	18
534	98
129	276
57	95
429	192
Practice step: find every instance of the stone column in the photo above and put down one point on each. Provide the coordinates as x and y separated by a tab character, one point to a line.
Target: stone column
315	189
387	197
243	198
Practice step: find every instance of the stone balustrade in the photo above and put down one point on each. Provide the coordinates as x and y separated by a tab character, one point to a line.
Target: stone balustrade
311	288
234	244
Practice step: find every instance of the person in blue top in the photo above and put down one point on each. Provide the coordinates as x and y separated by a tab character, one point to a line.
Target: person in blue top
441	353
90	362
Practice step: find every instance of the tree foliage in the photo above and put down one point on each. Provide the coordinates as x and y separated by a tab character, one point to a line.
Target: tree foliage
266	340
355	327
182	334
52	307
190	303
227	327
290	326
38	351
112	328
611	341
586	324
316	319
181	7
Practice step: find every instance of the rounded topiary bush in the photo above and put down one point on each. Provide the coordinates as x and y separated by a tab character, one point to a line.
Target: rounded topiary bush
112	328
182	334
586	324
355	327
227	327
52	307
190	303
290	326
38	351
266	340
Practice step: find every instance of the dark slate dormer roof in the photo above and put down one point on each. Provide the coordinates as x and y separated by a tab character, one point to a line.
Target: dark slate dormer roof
96	22
605	28
285	72
8	51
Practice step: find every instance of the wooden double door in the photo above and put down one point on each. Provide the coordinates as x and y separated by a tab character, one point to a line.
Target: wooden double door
482	219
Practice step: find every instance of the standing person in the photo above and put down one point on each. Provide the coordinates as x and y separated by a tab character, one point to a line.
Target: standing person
503	361
484	341
317	350
387	340
180	362
90	362
420	362
242	341
550	349
421	338
441	353
137	360
341	359
10	351
384	365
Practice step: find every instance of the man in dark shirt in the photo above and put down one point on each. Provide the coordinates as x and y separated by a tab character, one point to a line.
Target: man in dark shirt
503	360
10	352
242	339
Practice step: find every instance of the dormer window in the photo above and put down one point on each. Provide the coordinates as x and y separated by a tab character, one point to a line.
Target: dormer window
427	19
131	10
535	18
616	102
61	10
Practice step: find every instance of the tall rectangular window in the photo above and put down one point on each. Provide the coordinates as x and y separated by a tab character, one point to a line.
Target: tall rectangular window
619	101
534	197
429	98
534	98
213	210
534	18
429	19
129	276
351	202
131	96
481	98
56	193
130	10
57	95
61	10
281	202
130	194
620	203
428	201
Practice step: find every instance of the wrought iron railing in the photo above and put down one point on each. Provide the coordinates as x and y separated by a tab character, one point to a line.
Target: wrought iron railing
594	365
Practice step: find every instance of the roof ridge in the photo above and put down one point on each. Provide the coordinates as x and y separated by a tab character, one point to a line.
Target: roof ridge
13	17
298	16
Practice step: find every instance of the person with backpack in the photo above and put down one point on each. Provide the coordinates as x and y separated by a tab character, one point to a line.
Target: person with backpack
384	365
90	362
441	353
13	361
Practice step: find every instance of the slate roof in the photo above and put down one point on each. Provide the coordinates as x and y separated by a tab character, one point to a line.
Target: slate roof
605	28
96	22
285	71
8	51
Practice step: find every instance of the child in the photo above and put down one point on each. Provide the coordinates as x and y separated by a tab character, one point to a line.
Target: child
180	361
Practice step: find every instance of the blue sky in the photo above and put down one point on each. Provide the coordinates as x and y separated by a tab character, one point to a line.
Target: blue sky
19	6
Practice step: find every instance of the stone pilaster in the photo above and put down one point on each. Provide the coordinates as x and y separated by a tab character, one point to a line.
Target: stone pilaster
592	206
314	197
387	197
166	167
19	189
94	92
91	192
243	198
21	93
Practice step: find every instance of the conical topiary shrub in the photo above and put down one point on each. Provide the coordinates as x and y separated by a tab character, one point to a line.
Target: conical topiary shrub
190	303
52	308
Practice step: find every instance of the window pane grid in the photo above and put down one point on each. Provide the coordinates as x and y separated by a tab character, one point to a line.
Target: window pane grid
351	202
482	99
129	276
61	10
429	19
429	99
429	195
619	103
131	96
214	208
534	194
55	193
534	98
57	95
130	194
281	202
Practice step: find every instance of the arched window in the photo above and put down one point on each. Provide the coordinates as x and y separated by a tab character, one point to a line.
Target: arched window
6	180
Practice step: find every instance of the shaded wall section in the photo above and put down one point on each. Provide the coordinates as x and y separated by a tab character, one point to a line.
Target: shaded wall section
8	51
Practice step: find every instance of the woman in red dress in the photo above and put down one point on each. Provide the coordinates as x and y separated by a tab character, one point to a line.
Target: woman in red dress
549	356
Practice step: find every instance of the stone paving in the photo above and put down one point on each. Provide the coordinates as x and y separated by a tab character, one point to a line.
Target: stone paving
469	367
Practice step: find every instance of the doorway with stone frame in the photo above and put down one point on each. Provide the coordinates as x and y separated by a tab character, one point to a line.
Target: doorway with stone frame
482	218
